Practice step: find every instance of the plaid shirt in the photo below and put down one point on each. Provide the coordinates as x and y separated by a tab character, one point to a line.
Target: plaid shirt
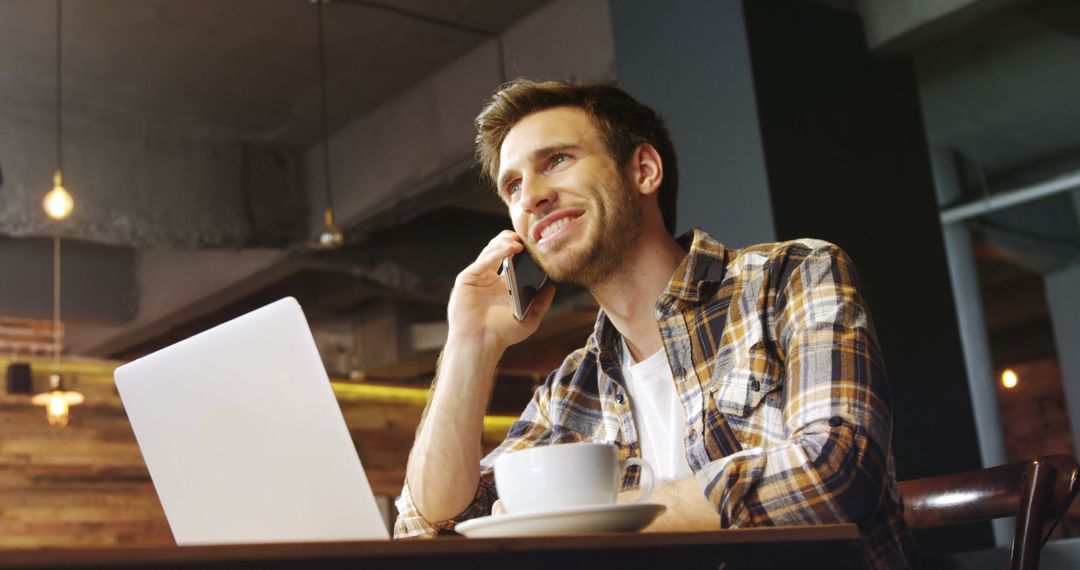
778	368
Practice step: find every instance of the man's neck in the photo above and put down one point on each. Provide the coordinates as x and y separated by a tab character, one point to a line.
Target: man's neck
629	296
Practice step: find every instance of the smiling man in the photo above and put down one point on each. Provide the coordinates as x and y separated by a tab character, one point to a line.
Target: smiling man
751	379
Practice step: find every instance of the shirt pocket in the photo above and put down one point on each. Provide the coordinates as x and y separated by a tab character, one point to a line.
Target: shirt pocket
733	391
738	390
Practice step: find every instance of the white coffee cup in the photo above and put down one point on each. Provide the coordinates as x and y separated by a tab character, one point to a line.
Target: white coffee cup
566	475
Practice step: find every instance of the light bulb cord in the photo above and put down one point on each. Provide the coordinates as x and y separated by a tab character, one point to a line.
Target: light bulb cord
59	91
56	300
323	106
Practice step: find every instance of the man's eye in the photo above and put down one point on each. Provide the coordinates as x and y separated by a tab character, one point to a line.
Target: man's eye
513	188
559	159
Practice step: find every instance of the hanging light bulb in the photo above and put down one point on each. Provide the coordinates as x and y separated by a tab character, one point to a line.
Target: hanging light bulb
58	203
57	410
57	401
331	237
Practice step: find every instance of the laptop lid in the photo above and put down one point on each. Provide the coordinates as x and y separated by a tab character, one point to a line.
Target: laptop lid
244	439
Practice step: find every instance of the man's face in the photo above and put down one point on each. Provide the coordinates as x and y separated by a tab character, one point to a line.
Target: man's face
573	206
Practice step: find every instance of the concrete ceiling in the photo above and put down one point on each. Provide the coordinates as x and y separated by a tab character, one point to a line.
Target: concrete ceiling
186	122
1001	97
1004	90
237	69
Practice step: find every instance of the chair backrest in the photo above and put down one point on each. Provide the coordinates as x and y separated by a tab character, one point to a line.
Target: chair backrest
1037	492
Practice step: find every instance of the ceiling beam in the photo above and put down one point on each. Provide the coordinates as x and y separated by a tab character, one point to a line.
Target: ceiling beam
901	26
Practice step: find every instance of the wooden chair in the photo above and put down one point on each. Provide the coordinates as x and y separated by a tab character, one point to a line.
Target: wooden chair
1037	492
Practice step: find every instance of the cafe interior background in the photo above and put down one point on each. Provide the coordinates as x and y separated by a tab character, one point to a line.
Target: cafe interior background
204	142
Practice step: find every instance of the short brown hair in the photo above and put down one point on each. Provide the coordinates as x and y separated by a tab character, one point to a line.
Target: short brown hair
624	125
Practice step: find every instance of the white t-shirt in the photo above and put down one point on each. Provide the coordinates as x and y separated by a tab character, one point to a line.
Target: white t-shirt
658	414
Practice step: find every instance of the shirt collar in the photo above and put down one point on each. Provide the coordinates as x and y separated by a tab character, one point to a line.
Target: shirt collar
703	268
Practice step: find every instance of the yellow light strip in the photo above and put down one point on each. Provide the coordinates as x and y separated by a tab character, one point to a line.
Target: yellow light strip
495	427
89	367
348	391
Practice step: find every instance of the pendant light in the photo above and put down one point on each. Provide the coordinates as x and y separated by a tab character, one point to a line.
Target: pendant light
330	237
58	203
57	400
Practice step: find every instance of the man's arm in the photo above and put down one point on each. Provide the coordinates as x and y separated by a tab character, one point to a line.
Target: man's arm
444	466
687	507
837	422
832	464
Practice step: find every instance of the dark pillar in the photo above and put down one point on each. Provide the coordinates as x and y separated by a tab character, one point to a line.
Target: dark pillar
847	162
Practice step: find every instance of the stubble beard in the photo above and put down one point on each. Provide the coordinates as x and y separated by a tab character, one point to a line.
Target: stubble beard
614	229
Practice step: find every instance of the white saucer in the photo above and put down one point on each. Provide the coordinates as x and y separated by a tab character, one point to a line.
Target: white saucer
591	518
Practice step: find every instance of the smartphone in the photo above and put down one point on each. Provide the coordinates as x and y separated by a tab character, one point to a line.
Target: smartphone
524	278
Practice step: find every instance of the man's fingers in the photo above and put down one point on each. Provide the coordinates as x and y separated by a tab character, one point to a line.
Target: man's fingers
491	257
505	234
540	305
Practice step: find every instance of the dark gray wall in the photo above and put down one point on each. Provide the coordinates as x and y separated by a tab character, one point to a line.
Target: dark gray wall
848	162
690	62
97	281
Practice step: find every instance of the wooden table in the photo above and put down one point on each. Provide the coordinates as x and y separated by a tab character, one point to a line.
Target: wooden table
827	546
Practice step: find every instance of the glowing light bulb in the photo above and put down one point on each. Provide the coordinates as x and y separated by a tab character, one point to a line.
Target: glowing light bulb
58	203
1009	379
57	410
331	236
57	401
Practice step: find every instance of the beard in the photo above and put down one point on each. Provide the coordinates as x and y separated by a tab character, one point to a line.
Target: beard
613	230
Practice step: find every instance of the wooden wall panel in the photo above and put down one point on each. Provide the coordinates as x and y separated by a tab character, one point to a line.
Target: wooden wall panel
83	485
86	484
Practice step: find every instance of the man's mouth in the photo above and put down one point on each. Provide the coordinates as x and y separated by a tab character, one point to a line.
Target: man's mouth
553	225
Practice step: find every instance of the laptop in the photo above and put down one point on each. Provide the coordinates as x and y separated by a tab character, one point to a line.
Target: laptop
244	439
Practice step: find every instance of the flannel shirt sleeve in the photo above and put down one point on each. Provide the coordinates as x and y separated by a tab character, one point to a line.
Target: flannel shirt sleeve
832	465
531	429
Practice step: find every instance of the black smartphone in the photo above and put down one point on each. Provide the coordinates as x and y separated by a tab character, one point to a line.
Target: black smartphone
524	278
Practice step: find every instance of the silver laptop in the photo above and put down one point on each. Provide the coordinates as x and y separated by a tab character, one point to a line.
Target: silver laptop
244	439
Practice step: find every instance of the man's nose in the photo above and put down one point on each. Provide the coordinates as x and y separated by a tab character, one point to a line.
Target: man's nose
536	194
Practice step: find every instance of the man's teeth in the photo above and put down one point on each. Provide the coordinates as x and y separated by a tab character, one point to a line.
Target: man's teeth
554	227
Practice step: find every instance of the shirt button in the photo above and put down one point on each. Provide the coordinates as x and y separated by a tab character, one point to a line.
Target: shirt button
835	421
619	398
755	385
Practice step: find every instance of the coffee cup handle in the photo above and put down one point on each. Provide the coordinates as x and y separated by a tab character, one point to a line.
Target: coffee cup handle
644	465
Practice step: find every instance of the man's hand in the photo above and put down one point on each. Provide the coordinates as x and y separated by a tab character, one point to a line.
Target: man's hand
444	465
687	507
479	308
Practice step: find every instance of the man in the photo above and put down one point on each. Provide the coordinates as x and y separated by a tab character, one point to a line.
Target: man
772	408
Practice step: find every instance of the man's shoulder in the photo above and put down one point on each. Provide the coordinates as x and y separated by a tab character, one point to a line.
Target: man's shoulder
762	257
799	248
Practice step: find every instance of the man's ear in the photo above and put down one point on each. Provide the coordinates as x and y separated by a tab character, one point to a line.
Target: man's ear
646	169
